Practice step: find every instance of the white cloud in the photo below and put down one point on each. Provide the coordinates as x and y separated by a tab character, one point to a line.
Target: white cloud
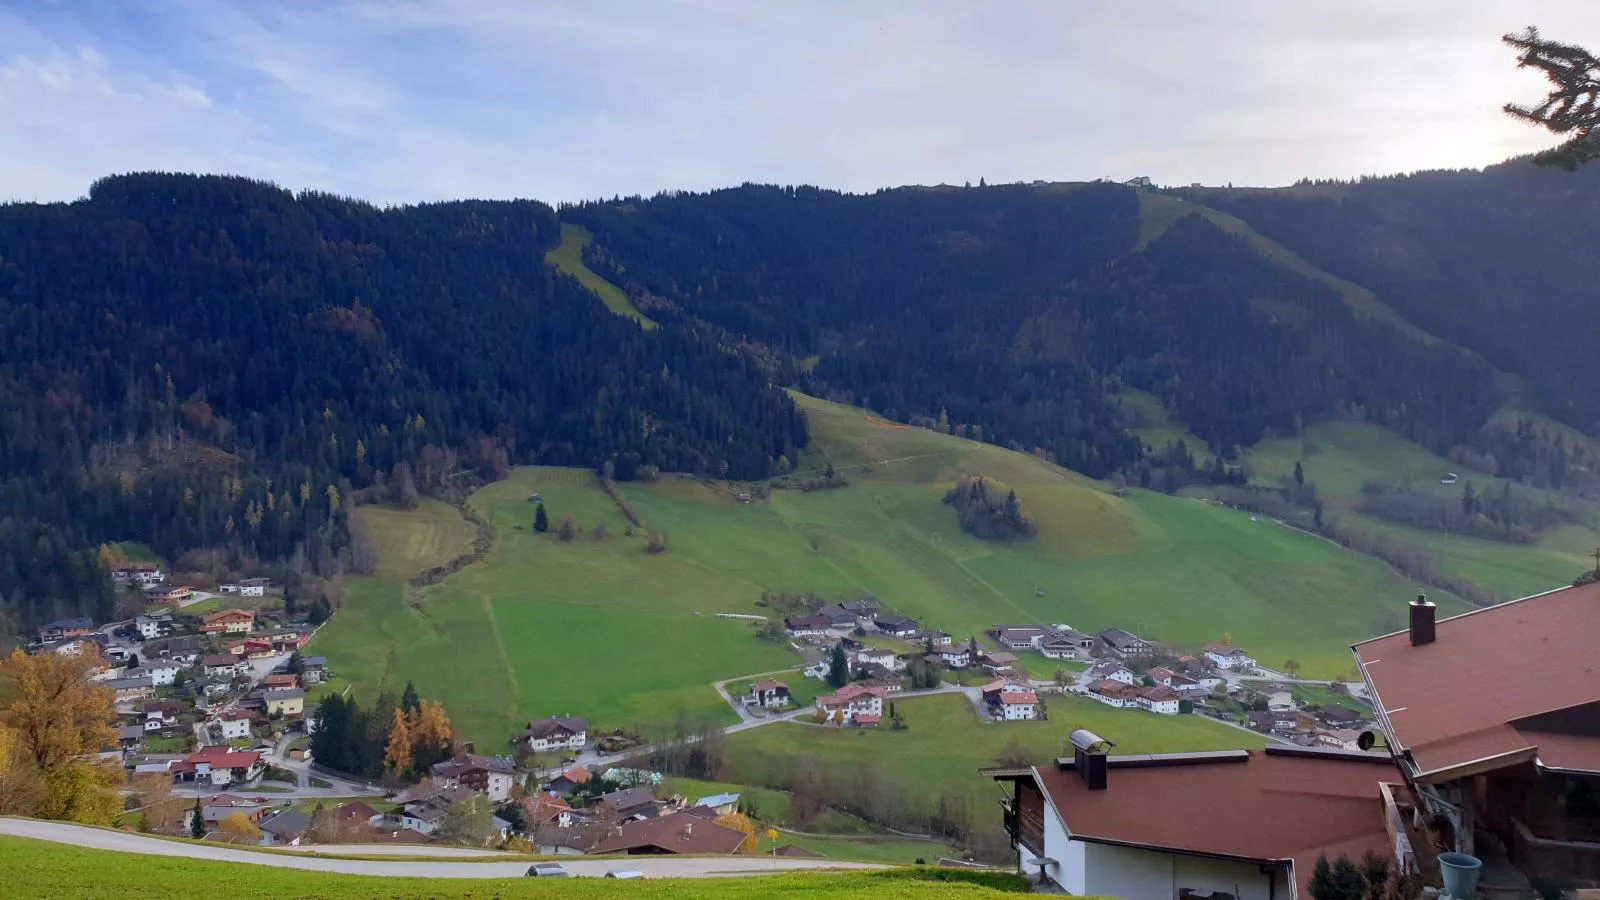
421	99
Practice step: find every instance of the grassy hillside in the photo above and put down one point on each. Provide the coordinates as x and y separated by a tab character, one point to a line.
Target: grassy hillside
602	628
38	869
1341	456
567	257
410	540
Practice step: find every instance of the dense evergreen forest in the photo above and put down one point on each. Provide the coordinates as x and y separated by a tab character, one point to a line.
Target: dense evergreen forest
1003	312
215	362
212	362
1500	261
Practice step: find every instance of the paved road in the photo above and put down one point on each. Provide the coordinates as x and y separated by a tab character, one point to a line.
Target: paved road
652	867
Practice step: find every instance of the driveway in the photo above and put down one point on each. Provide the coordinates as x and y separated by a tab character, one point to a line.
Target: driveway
652	867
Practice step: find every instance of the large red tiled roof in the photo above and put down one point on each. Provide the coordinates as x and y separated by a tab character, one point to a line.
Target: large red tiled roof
1458	700
1273	807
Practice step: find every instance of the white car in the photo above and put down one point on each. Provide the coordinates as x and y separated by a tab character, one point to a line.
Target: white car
546	870
624	873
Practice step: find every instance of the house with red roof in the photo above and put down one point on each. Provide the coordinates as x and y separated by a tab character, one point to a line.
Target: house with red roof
1019	705
218	766
852	701
1114	693
1494	717
1149	825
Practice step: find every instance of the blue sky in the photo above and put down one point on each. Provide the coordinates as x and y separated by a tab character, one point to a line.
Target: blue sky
426	99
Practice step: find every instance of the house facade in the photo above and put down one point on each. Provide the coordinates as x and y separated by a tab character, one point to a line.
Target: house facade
218	767
851	702
555	733
62	629
1160	699
768	695
285	703
1015	706
1125	644
1226	656
896	626
235	725
492	776
1112	671
229	621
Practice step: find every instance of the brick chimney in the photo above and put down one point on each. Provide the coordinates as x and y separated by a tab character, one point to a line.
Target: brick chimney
1422	619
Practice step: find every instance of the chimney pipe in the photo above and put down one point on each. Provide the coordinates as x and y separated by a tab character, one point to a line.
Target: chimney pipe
1422	613
1089	758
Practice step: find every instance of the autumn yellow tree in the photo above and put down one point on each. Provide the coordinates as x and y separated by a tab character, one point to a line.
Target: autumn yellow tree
740	822
61	719
20	788
431	736
397	759
162	812
237	829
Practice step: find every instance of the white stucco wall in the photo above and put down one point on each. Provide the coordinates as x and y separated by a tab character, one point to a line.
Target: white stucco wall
1133	874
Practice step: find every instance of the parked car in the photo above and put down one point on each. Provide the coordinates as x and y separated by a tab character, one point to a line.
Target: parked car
624	873
546	870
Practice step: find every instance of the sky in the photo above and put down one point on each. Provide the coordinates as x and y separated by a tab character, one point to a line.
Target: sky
399	101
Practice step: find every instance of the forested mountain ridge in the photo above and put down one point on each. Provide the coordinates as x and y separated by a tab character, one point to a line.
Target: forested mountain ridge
1500	261
1005	310
215	362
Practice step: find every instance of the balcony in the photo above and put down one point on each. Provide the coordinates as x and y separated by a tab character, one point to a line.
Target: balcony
1025	827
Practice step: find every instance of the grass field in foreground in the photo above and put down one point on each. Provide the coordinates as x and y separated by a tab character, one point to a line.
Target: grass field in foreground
945	743
598	627
40	869
567	257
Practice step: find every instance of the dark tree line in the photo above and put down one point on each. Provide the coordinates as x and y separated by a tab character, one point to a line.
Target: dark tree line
212	361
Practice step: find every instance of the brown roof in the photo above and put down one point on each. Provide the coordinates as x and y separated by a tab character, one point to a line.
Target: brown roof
672	834
1444	711
1027	699
356	811
229	615
769	686
1277	807
1158	693
798	852
1115	689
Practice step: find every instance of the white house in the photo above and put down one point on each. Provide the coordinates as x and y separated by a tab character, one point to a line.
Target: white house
1112	671
768	695
161	673
885	658
1159	699
1279	699
1101	825
555	733
1115	693
955	657
1226	656
235	725
152	626
854	703
1019	705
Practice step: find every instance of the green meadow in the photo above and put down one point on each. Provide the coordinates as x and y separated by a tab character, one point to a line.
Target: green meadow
945	743
597	626
567	258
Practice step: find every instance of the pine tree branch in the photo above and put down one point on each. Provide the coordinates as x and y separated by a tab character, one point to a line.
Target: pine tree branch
1572	108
